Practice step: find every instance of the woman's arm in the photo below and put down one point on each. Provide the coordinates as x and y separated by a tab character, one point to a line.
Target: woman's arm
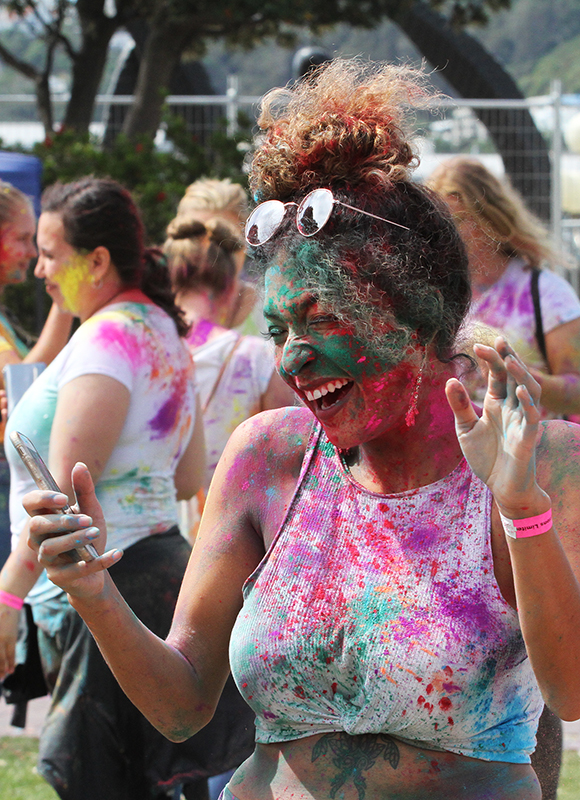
500	447
53	337
90	414
561	389
19	574
177	683
190	470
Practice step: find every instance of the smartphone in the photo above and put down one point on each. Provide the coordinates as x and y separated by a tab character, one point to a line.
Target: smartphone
44	480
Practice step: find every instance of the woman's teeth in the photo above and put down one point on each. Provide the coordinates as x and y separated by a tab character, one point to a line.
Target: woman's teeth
325	389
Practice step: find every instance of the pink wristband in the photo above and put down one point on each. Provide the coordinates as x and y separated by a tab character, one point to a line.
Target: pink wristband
11	600
531	526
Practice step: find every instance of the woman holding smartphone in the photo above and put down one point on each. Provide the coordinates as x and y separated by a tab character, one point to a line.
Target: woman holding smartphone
120	397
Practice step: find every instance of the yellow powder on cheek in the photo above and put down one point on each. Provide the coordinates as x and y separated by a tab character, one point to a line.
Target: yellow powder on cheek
70	278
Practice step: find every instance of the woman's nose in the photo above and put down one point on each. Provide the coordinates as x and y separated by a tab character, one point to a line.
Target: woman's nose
294	356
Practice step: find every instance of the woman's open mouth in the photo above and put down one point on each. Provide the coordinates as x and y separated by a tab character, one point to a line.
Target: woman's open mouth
329	394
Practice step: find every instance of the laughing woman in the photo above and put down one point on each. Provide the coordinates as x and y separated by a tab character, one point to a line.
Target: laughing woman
381	565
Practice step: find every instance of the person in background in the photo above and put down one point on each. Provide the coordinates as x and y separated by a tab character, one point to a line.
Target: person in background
235	374
205	199
17	249
382	567
507	247
120	397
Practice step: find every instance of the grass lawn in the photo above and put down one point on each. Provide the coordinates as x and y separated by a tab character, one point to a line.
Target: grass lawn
19	781
569	788
18	778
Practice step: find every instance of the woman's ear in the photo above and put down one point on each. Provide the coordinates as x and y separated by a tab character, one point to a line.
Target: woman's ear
100	262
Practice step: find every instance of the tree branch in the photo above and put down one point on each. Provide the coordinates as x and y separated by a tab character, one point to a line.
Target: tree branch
22	66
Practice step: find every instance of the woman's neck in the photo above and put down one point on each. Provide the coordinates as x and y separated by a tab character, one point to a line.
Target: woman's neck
101	297
205	312
487	263
410	456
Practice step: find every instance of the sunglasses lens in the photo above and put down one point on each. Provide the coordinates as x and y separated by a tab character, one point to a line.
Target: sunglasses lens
264	221
314	211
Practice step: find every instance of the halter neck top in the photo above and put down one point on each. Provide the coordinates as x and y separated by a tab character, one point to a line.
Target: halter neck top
375	613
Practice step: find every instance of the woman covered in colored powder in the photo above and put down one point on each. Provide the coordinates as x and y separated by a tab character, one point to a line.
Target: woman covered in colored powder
119	396
235	374
393	633
507	247
17	249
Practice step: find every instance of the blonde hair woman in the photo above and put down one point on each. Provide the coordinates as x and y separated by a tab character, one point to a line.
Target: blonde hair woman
507	245
17	249
235	374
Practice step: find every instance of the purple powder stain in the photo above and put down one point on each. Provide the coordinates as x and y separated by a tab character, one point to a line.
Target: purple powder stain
420	538
467	609
167	415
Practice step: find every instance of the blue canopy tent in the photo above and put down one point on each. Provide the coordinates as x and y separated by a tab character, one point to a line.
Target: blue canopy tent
24	172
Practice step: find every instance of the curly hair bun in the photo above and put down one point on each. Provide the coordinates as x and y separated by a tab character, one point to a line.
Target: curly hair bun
346	124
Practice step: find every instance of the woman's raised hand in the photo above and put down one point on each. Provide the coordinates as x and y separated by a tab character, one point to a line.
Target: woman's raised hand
52	533
500	445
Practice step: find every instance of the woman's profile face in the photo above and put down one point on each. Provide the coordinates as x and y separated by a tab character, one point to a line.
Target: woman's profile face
17	248
65	271
355	396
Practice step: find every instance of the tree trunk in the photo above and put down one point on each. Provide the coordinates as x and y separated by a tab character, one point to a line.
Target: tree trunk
89	64
474	73
44	102
161	53
87	72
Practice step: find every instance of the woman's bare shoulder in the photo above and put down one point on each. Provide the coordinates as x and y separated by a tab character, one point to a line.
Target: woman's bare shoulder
259	470
273	439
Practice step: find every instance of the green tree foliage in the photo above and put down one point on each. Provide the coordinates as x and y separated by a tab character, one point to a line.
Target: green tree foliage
157	179
175	26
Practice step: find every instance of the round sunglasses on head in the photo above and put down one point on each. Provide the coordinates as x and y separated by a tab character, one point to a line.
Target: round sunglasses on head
311	216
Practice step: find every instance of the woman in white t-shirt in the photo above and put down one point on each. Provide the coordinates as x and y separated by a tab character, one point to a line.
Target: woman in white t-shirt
119	397
235	374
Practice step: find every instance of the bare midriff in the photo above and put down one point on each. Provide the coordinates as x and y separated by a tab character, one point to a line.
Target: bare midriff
337	766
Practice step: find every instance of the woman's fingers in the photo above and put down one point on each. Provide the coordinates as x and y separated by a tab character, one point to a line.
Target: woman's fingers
497	378
39	501
54	543
458	399
506	372
85	493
